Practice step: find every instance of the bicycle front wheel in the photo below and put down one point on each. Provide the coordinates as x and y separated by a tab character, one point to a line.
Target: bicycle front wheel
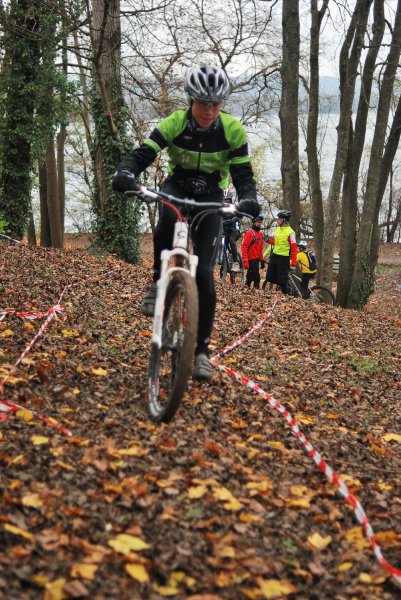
322	294
171	365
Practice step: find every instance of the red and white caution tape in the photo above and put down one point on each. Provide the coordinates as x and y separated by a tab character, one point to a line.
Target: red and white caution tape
324	467
242	339
31	315
7	406
314	454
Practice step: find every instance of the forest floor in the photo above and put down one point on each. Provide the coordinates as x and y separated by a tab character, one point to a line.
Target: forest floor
223	502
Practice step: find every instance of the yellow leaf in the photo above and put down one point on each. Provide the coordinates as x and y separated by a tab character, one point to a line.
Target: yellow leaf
137	572
273	588
365	578
40	580
299	503
345	566
222	493
261	486
6	333
76	391
357	538
69	332
197	491
225	551
39	440
54	590
32	501
384	486
248	518
84	571
61	354
391	437
24	414
18	531
99	371
299	490
28	325
133	451
165	590
124	543
319	542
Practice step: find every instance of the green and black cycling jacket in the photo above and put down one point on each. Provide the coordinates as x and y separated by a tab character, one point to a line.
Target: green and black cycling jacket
208	155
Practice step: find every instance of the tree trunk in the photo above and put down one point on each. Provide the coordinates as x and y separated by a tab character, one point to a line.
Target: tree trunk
366	259
31	233
349	63
354	157
117	221
22	55
312	128
53	203
289	111
45	236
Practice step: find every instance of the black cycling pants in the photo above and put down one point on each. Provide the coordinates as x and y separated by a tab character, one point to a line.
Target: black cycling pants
206	236
278	270
253	273
232	242
305	279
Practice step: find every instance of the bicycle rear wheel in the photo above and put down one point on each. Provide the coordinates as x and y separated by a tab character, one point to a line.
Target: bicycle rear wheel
292	288
171	365
225	267
322	294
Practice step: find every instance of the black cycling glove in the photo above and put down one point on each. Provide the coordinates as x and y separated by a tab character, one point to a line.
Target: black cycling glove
249	206
124	181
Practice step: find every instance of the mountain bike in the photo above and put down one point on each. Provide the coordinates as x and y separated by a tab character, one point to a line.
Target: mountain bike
226	261
175	320
317	293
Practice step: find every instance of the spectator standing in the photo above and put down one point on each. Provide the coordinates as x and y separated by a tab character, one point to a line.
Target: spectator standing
284	253
252	252
303	264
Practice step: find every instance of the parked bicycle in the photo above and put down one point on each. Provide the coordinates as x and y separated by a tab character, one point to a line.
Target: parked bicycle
317	293
175	321
226	261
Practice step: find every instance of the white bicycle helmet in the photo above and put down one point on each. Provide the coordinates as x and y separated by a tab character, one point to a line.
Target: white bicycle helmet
207	83
302	244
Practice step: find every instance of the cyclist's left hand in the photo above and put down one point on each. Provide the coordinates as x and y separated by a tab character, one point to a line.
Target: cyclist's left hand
124	181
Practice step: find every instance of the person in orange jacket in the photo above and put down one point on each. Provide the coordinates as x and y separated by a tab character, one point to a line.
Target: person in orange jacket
252	252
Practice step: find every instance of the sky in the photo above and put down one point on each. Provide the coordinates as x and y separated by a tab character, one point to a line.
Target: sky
337	18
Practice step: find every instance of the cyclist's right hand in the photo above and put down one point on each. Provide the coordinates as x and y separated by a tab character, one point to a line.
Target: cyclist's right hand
124	181
293	269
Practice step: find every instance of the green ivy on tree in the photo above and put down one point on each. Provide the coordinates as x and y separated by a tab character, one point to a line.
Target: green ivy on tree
116	222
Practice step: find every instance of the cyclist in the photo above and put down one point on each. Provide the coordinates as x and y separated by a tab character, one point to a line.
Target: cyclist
303	265
231	231
283	253
252	252
205	145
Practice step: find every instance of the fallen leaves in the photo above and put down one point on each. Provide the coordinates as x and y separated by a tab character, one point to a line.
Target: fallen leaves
125	543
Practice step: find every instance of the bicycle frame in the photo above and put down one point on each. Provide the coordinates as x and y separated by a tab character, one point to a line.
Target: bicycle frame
180	249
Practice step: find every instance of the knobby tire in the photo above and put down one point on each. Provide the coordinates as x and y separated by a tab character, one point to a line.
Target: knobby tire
171	365
322	294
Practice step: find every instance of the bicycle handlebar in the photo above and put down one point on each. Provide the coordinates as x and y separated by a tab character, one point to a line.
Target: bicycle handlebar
148	195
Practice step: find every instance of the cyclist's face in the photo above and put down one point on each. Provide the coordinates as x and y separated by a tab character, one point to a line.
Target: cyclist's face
205	113
280	222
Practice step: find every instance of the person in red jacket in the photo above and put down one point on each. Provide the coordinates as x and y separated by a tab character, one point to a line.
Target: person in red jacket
252	252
